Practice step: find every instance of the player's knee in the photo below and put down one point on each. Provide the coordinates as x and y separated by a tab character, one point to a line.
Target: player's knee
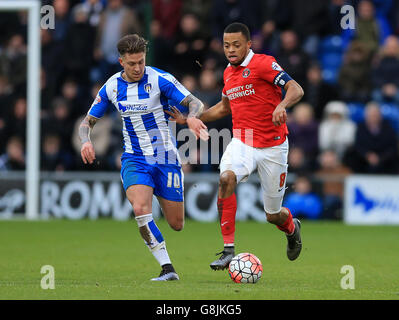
140	209
177	224
227	180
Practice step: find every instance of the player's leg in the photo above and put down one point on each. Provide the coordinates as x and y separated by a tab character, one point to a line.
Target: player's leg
173	212
139	187
140	196
236	165
272	170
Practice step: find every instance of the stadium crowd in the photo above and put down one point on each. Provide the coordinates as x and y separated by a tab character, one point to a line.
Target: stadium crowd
347	122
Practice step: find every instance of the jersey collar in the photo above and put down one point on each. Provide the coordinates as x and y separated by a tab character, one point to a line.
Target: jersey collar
248	58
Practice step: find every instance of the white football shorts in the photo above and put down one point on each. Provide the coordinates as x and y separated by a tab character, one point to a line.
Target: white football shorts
271	164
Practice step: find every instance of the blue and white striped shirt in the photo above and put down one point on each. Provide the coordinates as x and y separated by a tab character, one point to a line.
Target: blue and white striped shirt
141	105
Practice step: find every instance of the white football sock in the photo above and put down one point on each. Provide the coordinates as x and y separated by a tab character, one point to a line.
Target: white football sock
153	238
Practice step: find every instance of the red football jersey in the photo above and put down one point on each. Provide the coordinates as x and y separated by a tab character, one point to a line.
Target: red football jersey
254	94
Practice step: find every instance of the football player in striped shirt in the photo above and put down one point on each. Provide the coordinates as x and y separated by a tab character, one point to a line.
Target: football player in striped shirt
150	162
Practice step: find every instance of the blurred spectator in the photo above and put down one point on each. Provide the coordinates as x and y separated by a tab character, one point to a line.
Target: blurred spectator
318	92
93	9
62	20
304	130
53	157
208	91
297	161
201	9
51	53
116	21
370	29
302	202
292	58
16	121
336	131
225	12
59	123
190	45
160	48
385	74
168	14
79	46
332	173
13	63
14	158
376	143
354	74
70	92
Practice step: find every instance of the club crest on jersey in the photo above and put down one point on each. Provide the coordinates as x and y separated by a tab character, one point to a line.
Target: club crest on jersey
246	73
148	87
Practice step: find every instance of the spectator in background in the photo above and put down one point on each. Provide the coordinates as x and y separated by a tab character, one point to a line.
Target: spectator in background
225	12
190	45
59	123
386	73
62	20
79	46
208	91
116	21
336	131
297	161
376	143
53	157
13	63
370	29
161	47
167	13
304	130
303	202
14	158
332	175
354	74
318	92
70	92
93	9
292	58
52	54
16	121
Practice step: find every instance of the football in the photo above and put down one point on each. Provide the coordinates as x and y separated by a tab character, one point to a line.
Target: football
245	268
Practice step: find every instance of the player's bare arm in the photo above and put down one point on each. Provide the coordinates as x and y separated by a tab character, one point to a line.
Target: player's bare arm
195	107
87	150
218	111
293	95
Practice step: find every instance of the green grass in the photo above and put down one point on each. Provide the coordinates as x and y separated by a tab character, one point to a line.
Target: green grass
107	259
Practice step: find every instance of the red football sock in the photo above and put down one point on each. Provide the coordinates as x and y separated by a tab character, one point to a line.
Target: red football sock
227	211
288	226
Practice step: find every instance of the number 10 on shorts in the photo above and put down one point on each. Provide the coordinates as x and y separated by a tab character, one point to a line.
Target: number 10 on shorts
173	178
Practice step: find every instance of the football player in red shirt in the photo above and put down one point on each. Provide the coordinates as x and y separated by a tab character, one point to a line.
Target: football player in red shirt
252	94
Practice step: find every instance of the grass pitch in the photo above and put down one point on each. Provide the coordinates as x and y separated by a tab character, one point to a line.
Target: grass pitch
107	259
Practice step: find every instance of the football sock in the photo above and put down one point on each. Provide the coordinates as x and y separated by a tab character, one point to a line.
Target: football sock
288	226
227	208
153	238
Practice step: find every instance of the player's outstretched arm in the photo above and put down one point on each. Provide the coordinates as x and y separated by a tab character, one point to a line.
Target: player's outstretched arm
219	110
195	107
293	95
87	150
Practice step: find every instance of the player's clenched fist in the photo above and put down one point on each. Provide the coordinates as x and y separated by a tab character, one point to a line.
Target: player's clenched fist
87	152
279	115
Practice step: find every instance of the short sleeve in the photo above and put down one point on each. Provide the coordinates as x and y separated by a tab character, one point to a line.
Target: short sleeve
272	72
100	103
172	88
